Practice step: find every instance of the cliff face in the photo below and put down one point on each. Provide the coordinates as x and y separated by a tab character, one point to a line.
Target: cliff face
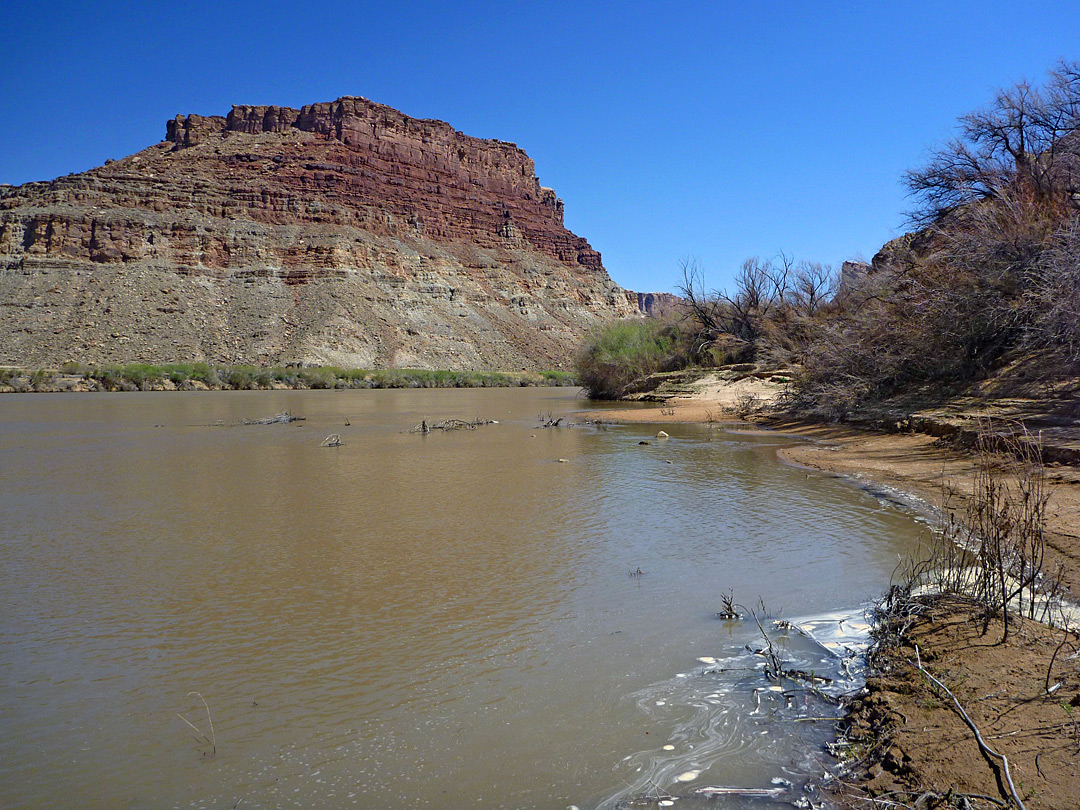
343	233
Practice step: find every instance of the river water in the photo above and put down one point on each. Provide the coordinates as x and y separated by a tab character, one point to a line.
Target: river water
408	620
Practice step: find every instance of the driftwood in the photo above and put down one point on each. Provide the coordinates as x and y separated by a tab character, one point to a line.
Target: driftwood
282	418
451	424
808	677
772	793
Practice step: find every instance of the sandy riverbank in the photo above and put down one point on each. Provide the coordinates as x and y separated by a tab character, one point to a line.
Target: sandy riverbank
911	740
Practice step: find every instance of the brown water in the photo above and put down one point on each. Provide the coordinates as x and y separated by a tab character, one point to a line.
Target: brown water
407	620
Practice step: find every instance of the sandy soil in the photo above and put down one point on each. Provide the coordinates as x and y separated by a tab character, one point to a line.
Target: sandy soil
909	741
710	399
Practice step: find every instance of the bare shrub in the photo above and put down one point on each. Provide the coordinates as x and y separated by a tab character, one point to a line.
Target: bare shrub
747	404
814	287
765	317
991	551
1054	292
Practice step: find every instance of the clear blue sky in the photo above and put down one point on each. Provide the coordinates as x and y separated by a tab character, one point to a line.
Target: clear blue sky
709	130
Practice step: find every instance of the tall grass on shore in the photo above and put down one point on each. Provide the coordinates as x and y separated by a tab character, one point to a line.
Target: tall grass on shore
144	376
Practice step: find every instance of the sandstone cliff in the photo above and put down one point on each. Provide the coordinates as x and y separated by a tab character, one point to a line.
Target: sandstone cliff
344	233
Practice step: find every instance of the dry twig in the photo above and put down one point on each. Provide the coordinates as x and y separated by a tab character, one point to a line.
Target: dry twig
987	751
212	739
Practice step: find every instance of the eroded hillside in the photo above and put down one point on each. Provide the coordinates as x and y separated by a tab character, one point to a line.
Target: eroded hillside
344	233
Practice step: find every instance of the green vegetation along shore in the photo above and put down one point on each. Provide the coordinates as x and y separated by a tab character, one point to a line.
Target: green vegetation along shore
204	376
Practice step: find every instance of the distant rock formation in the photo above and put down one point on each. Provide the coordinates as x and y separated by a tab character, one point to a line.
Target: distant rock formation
341	233
656	304
851	273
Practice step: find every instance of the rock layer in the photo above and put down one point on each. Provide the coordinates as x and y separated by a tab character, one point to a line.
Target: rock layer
343	232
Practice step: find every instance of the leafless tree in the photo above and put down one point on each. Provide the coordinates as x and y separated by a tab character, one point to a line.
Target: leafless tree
1054	292
1024	143
765	311
703	307
814	286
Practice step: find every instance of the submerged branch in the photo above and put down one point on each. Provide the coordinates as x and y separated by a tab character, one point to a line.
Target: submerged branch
282	418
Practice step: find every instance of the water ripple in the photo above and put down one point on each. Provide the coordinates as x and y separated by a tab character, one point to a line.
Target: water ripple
448	619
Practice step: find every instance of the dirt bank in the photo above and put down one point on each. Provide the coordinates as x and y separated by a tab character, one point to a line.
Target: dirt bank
908	740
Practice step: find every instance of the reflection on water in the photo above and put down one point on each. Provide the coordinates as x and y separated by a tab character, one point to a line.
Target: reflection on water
441	619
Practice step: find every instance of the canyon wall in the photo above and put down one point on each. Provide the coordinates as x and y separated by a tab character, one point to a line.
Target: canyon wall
341	233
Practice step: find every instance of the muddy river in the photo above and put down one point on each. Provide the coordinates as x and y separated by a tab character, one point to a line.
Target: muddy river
409	620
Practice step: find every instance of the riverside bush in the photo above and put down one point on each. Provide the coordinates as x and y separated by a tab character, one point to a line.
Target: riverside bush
993	268
136	376
620	352
141	374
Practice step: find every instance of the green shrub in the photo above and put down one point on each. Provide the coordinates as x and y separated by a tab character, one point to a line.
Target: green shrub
40	378
141	374
263	377
557	378
201	372
319	377
176	372
240	378
620	352
109	378
133	376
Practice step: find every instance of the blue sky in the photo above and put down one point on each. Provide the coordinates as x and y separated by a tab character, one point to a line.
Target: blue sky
715	130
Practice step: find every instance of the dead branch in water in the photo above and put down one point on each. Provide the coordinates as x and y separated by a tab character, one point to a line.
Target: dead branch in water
548	421
200	737
774	664
282	418
451	424
731	610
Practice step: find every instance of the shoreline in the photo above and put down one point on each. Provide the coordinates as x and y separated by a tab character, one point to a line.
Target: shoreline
204	377
917	464
903	739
